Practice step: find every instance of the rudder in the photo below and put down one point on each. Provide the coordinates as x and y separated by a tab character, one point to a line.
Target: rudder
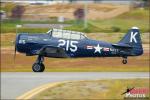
133	39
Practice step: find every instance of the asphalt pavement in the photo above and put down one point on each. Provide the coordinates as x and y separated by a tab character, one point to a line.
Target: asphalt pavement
14	84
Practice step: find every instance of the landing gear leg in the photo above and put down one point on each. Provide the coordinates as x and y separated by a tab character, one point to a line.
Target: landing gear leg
38	66
124	61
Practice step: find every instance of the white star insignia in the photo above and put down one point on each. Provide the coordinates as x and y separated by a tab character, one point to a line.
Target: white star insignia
98	49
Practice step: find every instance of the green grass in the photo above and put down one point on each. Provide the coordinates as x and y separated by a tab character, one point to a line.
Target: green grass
136	14
93	89
9	26
111	25
122	23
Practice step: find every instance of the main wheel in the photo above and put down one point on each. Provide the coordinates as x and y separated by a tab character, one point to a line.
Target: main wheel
43	67
38	67
124	61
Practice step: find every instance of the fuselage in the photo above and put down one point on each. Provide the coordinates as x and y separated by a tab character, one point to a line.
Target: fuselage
31	43
65	43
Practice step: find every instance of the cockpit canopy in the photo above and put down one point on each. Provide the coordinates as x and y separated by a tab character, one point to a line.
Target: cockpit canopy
67	34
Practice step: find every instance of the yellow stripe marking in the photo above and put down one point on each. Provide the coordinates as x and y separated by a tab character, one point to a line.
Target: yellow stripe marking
33	92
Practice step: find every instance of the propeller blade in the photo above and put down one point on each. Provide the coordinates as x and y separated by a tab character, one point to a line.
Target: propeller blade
15	49
15	53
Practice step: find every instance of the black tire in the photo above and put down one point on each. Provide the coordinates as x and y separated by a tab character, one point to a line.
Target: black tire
38	67
124	61
43	67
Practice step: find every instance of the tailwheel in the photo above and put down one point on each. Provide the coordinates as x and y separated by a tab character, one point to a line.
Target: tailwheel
124	61
38	67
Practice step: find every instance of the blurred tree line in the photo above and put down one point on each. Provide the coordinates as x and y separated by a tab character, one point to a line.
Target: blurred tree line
79	15
17	12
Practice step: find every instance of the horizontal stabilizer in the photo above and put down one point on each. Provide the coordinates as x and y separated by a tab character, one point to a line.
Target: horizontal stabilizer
122	45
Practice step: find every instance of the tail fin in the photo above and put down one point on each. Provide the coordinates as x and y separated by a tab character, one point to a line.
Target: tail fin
133	39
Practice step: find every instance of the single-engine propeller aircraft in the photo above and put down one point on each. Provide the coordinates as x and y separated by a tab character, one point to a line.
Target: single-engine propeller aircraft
65	43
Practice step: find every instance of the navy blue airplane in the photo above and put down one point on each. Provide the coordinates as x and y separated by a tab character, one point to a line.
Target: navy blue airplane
59	43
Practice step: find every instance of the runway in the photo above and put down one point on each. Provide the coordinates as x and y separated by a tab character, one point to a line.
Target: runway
14	84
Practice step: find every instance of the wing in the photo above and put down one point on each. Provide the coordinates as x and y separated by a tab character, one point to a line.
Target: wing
51	51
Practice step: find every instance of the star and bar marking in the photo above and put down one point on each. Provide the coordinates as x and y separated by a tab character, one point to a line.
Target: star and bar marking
97	48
